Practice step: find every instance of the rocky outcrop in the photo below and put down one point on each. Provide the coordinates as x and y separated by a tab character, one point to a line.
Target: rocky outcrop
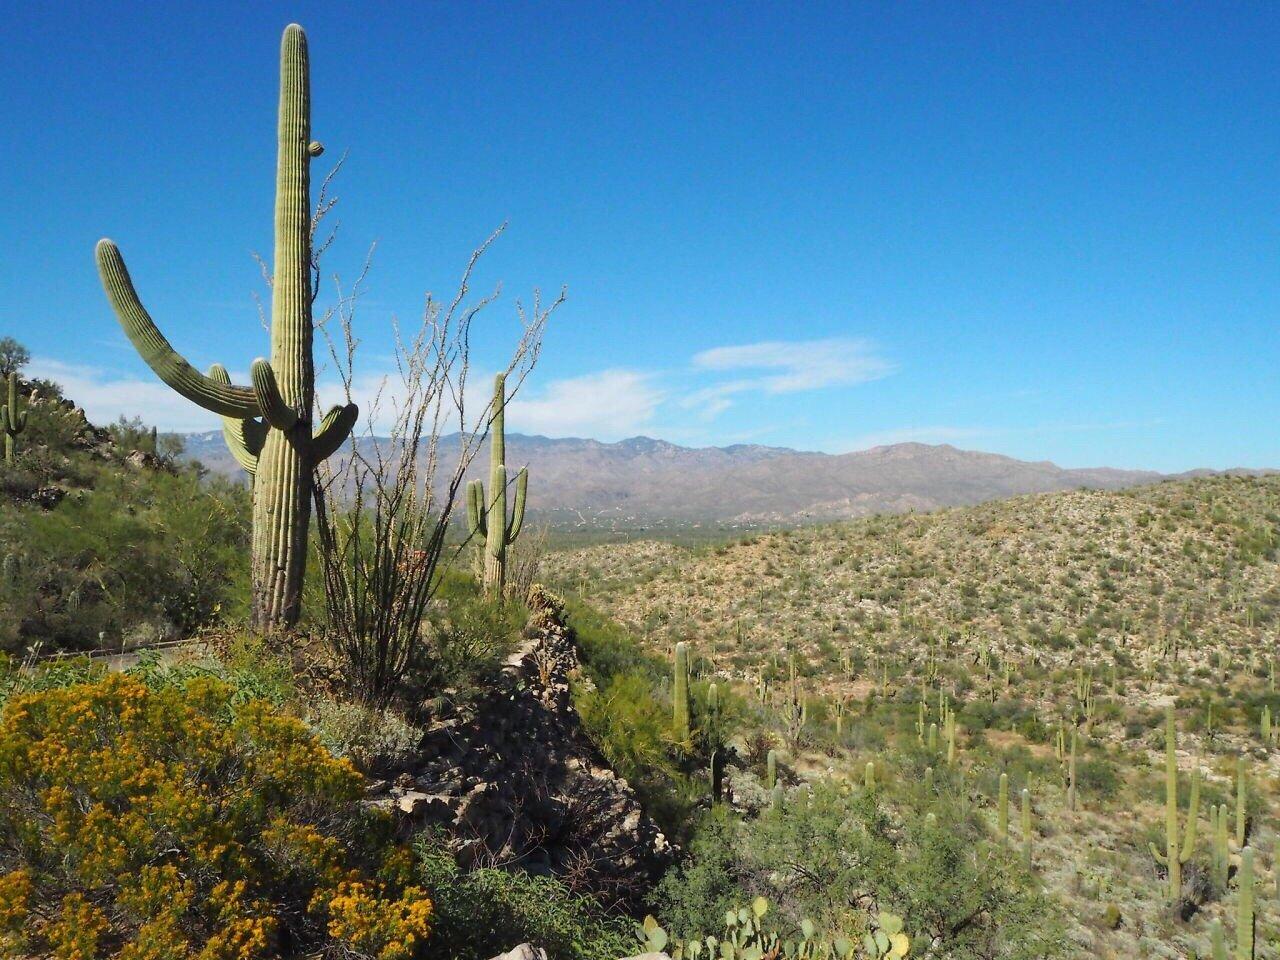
516	781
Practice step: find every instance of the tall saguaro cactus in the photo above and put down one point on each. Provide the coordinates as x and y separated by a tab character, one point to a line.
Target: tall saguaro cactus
488	518
268	424
12	422
1176	854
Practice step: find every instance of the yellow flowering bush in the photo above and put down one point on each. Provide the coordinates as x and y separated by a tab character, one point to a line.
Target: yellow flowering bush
149	823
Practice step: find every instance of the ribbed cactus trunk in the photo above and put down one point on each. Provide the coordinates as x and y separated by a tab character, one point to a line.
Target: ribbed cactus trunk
488	518
267	426
282	487
680	709
12	422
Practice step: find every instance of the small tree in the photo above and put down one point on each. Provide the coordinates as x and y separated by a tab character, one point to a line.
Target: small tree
13	356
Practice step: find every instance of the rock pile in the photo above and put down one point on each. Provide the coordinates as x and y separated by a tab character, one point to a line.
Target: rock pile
516	781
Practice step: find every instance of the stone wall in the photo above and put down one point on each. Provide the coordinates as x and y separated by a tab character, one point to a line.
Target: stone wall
515	781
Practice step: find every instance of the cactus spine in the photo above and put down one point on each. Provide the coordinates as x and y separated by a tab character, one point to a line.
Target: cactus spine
281	449
1176	855
488	518
680	694
12	422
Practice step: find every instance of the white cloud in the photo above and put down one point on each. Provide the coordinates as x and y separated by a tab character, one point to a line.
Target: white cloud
798	364
610	404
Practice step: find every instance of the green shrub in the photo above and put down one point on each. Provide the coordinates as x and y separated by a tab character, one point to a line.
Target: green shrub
484	912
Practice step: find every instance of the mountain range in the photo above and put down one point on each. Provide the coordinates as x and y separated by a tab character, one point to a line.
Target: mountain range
643	482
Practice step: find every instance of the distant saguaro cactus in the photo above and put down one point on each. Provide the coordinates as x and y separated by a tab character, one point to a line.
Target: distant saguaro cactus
1026	828
771	769
488	518
12	422
281	449
1176	854
680	695
1244	907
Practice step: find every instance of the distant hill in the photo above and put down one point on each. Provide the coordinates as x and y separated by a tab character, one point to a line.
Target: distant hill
645	482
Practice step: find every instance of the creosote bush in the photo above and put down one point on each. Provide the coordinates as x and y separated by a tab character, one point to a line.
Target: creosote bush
156	822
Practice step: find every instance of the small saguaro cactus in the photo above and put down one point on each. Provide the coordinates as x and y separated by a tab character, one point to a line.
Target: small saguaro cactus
1176	854
281	449
12	422
716	765
1071	774
1244	906
1242	815
1221	852
488	518
1265	724
1026	828
771	769
680	695
869	776
1002	809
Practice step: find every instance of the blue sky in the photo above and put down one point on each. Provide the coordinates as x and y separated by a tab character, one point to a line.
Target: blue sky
1045	230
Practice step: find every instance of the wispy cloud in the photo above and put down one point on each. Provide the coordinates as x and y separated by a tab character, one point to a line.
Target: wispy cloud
610	404
797	365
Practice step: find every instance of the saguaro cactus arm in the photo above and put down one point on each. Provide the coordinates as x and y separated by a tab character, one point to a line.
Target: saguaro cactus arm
517	512
244	436
476	516
335	427
168	364
275	410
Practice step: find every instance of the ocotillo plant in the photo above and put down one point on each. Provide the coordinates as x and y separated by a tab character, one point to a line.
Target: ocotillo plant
680	695
488	518
281	448
1176	854
12	422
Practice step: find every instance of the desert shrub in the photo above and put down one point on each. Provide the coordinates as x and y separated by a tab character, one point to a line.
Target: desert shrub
139	557
482	913
465	638
139	822
693	897
376	741
824	858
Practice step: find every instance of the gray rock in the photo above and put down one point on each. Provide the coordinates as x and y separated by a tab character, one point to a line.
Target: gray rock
526	951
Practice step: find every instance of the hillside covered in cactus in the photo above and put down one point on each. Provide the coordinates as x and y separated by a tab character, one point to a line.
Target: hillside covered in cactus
1111	654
